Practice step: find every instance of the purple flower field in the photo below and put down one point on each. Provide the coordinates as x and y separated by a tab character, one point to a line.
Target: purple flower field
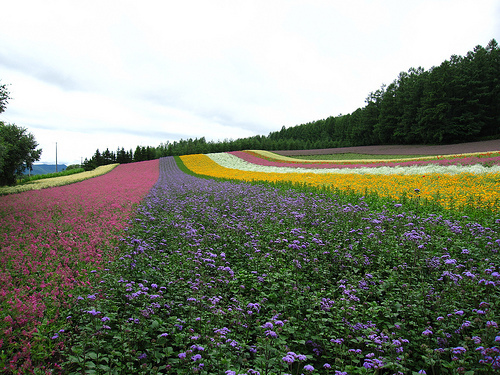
234	278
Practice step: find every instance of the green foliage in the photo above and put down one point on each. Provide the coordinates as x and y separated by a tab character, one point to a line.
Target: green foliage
121	156
4	97
67	172
73	166
18	152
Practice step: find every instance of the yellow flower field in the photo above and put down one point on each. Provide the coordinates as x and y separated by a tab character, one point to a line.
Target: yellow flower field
459	190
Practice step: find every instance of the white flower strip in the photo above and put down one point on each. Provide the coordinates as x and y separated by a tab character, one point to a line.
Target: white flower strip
231	161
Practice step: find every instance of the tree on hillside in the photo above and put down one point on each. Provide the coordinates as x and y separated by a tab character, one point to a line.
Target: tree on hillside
4	97
18	152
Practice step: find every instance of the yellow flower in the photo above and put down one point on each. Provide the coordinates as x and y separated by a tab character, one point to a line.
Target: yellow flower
458	190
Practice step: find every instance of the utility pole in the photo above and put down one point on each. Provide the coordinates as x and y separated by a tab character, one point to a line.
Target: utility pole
56	157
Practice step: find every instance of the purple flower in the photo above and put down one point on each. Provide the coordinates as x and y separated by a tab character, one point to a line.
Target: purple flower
327	365
182	355
288	359
458	350
142	356
271	333
309	368
196	357
427	332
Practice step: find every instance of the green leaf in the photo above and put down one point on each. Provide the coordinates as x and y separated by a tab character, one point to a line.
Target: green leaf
92	355
74	359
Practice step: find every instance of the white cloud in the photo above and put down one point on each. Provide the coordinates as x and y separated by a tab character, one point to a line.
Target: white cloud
151	71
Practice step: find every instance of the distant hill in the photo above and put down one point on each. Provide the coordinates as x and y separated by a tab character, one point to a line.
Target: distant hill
46	168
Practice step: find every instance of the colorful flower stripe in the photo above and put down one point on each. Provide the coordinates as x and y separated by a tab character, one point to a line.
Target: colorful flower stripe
271	156
458	190
50	240
57	181
259	159
229	160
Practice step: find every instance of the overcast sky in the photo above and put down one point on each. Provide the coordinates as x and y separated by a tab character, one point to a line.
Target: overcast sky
108	74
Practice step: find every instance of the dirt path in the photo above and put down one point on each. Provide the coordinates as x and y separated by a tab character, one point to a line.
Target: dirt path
458	148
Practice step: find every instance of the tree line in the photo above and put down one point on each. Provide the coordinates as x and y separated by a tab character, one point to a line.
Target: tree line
457	101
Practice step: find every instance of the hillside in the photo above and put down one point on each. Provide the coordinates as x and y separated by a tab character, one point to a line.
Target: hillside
46	168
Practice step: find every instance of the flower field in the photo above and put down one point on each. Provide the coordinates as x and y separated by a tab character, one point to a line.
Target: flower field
227	277
52	241
57	181
311	274
267	158
451	186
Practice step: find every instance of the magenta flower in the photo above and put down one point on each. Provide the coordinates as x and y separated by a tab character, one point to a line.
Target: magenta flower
63	232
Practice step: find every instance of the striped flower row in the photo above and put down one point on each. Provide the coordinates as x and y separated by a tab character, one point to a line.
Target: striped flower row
230	160
57	181
262	157
451	190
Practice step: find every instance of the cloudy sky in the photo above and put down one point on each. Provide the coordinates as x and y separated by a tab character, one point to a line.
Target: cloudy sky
108	74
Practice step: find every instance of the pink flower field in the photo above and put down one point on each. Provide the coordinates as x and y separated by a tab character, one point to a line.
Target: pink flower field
52	242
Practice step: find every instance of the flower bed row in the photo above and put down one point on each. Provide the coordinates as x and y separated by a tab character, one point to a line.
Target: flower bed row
51	239
481	190
232	278
57	181
239	160
489	158
271	159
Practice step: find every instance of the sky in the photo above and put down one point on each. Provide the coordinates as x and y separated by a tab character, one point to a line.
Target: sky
89	75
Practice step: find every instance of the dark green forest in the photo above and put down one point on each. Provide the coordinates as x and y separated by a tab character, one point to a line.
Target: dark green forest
457	101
